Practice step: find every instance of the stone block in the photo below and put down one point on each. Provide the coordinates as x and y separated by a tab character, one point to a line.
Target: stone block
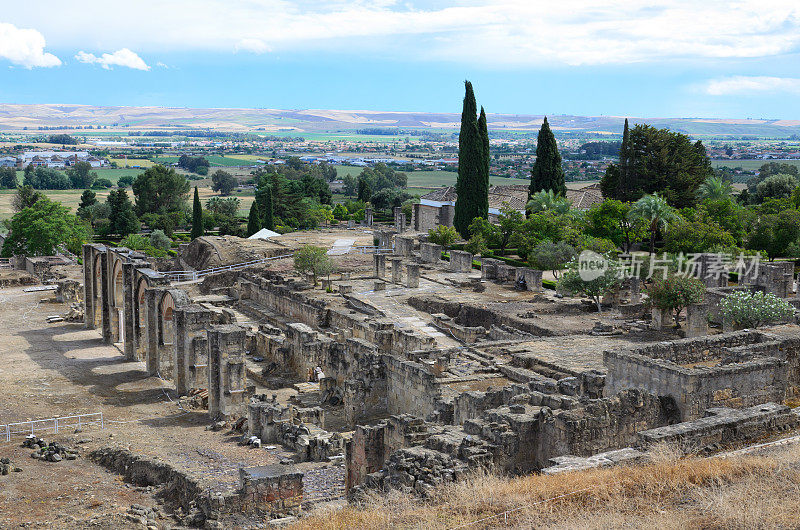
460	261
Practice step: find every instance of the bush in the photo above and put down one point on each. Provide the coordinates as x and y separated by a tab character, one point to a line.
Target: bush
598	244
675	292
159	239
102	184
443	235
746	309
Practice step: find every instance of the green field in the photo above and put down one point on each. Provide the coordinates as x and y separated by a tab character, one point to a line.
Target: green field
751	165
215	160
428	179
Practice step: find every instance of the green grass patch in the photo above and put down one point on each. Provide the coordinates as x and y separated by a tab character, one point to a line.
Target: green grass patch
751	165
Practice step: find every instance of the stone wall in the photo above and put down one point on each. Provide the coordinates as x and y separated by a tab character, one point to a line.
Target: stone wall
722	426
273	490
694	385
411	388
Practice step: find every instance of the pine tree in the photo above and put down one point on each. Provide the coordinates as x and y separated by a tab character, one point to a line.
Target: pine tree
624	185
547	173
197	216
267	214
122	219
253	219
88	198
482	190
470	163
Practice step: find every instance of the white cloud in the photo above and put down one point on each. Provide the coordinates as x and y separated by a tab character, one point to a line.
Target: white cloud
252	45
25	47
123	57
522	32
746	85
162	65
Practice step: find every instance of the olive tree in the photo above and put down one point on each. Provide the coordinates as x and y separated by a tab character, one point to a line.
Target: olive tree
313	261
594	286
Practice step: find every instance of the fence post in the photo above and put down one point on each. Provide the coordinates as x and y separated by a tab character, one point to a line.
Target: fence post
56	424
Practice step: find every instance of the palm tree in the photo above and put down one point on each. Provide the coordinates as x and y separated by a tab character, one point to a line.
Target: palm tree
548	201
715	189
654	211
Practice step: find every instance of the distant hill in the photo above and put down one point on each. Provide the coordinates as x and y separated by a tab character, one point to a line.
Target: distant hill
17	117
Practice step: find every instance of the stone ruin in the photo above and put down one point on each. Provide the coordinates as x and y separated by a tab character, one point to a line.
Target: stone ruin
413	376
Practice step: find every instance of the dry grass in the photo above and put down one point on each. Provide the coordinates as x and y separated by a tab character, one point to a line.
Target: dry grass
743	492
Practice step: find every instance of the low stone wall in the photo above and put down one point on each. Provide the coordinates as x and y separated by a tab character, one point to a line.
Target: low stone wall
723	426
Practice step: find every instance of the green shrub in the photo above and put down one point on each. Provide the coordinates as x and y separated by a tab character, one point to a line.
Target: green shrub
443	235
674	292
745	309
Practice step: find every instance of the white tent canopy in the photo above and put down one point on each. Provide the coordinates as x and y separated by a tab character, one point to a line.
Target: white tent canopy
264	233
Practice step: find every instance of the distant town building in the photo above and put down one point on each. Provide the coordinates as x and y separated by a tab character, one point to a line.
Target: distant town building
57	159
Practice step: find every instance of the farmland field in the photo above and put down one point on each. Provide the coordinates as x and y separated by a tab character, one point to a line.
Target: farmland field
71	199
216	160
750	165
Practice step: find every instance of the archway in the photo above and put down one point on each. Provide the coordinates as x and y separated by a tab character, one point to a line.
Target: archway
166	310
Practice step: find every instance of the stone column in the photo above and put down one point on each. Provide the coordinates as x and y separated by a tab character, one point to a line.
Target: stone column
191	347
412	271
430	252
460	261
488	269
532	278
662	318
105	297
398	224
397	270
368	217
403	245
635	285
696	320
129	346
380	265
88	287
227	389
151	297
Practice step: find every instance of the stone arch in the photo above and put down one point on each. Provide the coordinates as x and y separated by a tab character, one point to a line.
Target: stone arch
118	284
166	310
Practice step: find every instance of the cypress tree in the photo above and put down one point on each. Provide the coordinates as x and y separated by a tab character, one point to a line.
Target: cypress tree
482	195
547	173
623	183
197	216
253	219
470	163
267	216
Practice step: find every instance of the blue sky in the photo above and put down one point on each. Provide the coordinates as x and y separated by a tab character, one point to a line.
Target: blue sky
618	57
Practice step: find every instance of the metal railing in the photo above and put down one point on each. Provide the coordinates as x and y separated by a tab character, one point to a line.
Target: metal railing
187	276
51	425
5	263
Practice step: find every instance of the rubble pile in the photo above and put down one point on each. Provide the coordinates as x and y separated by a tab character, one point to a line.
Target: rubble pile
6	466
52	452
